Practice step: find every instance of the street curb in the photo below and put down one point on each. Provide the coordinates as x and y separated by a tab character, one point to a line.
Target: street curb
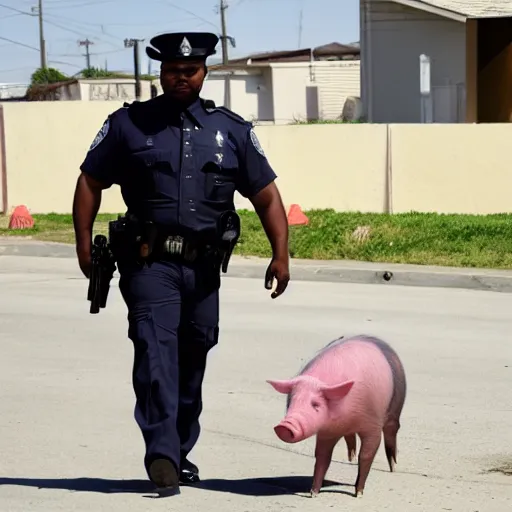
17	247
383	275
320	271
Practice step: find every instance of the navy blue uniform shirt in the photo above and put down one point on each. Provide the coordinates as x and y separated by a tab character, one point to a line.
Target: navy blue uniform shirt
178	168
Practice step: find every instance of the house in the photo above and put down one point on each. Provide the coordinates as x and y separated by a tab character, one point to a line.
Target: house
12	91
91	89
267	88
466	48
287	86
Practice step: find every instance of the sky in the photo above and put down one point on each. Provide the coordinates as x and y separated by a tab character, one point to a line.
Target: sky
256	25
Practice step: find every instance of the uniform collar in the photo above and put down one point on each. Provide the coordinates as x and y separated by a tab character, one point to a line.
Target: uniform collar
195	112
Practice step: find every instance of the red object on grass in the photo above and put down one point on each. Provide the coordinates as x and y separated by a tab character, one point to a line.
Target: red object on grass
296	216
21	218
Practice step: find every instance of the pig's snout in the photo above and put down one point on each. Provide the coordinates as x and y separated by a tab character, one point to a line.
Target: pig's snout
289	431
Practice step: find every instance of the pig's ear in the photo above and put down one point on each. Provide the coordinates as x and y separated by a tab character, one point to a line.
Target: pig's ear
282	386
338	391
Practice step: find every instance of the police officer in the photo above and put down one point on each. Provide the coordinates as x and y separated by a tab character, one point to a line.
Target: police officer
178	161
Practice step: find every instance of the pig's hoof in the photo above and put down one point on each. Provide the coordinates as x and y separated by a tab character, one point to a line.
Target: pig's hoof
314	493
351	455
359	493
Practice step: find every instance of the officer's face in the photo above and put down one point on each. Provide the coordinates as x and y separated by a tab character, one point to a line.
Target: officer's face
182	80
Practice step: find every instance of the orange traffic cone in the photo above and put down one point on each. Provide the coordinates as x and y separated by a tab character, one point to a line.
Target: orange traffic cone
21	218
296	216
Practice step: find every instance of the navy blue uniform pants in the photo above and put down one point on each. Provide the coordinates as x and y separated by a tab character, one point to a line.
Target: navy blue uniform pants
173	316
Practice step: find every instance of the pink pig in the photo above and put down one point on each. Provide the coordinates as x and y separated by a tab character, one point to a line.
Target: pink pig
352	386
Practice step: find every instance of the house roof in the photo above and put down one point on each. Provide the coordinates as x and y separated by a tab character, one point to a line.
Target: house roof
467	8
331	51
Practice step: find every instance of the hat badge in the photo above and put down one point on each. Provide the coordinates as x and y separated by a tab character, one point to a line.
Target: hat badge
185	48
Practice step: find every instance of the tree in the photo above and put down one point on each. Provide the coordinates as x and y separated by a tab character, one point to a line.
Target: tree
43	76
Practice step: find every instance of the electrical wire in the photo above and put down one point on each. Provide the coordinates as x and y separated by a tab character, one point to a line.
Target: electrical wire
17	43
180	8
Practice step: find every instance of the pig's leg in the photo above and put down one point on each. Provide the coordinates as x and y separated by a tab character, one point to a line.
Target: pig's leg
351	446
323	457
390	431
370	442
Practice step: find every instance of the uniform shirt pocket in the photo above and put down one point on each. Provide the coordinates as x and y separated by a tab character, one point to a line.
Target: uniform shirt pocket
155	159
219	184
154	172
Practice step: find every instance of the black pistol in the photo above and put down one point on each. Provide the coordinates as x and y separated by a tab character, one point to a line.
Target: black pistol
102	270
229	228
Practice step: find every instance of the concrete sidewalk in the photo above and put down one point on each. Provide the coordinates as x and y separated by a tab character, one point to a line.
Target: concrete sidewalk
311	270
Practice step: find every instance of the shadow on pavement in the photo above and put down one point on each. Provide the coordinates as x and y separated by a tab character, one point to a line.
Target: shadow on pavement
275	486
98	485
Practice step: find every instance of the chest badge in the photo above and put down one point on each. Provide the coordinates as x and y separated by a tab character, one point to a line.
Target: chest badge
219	139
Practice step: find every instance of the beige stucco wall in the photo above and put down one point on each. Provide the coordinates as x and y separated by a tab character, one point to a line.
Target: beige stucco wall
329	166
453	168
45	145
443	168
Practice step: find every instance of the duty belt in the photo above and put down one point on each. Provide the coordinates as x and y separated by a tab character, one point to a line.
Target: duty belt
151	242
176	246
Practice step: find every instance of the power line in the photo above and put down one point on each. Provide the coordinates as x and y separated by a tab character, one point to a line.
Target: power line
12	15
19	11
19	44
75	56
180	8
74	6
78	30
39	10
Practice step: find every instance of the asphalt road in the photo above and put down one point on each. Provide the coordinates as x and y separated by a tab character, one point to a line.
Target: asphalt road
68	441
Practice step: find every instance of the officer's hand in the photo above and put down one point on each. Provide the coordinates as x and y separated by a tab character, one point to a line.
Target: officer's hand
84	260
279	270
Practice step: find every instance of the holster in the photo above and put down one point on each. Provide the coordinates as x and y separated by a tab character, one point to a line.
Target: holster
146	241
132	238
229	233
102	270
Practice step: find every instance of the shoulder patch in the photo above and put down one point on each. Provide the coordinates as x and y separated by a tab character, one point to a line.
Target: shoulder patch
256	143
100	135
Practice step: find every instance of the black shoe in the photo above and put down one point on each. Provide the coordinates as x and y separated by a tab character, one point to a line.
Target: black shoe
164	475
189	473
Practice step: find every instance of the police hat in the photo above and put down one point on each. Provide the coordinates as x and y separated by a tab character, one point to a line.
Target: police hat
182	46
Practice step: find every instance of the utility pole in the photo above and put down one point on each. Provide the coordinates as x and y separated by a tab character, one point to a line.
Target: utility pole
86	43
42	43
225	59
224	37
134	43
301	13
